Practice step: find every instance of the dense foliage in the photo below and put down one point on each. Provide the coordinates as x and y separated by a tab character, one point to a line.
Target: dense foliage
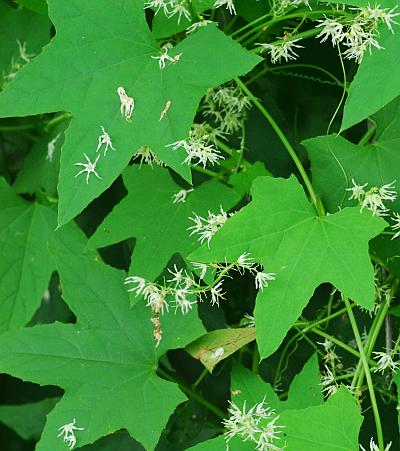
199	225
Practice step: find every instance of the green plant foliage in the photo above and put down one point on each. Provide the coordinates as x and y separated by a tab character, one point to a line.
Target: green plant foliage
280	223
144	220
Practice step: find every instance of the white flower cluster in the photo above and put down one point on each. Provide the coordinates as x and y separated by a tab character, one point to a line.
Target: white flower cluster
147	156
283	49
227	107
359	34
279	7
229	5
206	228
165	56
385	362
199	149
171	8
374	197
374	447
328	382
16	64
330	355
257	425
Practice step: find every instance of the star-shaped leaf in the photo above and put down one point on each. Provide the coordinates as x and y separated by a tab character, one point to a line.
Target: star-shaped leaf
282	231
106	362
26	230
97	49
160	226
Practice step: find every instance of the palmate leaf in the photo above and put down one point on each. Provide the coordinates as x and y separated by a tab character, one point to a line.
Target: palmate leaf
99	47
309	423
160	226
26	231
282	231
106	362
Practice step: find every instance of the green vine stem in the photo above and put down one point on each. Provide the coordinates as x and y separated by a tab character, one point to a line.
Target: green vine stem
314	199
370	384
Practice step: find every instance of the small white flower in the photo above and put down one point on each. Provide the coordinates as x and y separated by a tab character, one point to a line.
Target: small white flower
217	294
374	447
89	168
166	57
262	279
387	192
257	425
328	382
396	225
180	9
357	191
245	262
180	196
165	110
155	298
377	14
385	361
218	353
373	202
141	284
195	26
104	138
22	52
228	3
68	431
331	29
329	347
51	147
284	49
177	276
182	302
207	228
127	104
147	156
159	4
202	267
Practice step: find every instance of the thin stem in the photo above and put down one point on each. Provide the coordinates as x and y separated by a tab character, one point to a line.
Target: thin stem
57	120
256	359
193	394
368	134
317	204
200	378
370	384
205	171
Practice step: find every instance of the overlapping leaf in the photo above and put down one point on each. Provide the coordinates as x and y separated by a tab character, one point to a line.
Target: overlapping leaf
98	49
282	231
160	226
106	362
26	231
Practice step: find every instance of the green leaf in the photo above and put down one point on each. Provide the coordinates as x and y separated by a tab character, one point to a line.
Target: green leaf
332	426
106	362
242	181
336	161
24	26
41	168
397	382
98	49
159	226
27	420
217	345
39	6
376	82
26	231
282	231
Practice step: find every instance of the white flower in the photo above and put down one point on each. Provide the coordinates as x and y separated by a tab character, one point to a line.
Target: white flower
377	15
147	156
22	52
159	4
68	431
127	104
217	294
228	3
357	191
331	29
387	192
284	49
328	382
374	447
202	267
373	202
245	262
396	225
166	57
182	302
385	361
329	347
195	26
155	298
89	168
207	228
180	9
141	284
104	138
257	425
51	147
250	320
177	275
262	279
180	196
